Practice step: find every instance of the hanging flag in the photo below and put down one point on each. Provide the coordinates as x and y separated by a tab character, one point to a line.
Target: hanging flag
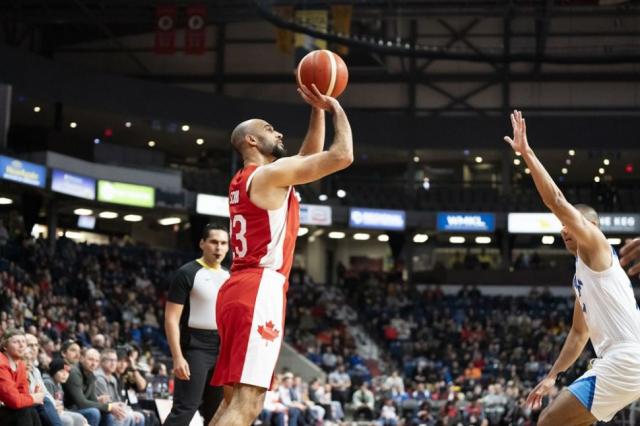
284	38
195	36
316	19
341	16
165	42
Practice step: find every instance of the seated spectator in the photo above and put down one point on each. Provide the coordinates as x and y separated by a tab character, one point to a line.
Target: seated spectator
424	416
273	411
388	415
329	359
363	402
301	394
18	404
394	380
296	409
80	391
58	374
107	384
420	394
48	411
340	384
473	413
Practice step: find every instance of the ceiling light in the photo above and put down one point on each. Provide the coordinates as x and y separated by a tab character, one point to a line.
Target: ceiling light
185	127
5	201
361	236
73	124
596	179
572	152
478	159
420	238
336	235
303	231
457	240
97	141
36	109
133	218
518	153
83	212
323	197
383	238
169	221
567	161
341	193
527	171
564	171
516	161
151	144
548	239
108	215
199	141
606	162
483	240
601	170
416	159
127	124
614	241
426	184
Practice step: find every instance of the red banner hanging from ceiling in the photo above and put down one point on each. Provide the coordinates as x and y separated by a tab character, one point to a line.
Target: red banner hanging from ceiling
195	35
165	41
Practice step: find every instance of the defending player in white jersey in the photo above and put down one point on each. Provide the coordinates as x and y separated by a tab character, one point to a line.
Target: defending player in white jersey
605	311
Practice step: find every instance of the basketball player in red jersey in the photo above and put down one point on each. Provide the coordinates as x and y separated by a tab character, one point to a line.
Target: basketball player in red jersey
264	215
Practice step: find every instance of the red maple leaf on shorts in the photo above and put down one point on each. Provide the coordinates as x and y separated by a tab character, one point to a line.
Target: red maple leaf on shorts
268	332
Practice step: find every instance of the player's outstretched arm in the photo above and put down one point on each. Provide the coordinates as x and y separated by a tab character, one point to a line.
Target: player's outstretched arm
573	346
299	170
586	233
314	139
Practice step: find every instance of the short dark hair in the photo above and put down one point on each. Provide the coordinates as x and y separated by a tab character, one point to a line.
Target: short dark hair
212	227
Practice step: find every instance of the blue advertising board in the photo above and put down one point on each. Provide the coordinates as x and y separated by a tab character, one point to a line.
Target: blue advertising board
390	220
466	222
22	171
72	184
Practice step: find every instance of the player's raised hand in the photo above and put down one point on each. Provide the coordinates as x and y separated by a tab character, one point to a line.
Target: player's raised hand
630	254
519	142
534	400
316	99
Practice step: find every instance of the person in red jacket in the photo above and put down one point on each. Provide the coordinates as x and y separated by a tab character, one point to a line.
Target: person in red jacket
18	404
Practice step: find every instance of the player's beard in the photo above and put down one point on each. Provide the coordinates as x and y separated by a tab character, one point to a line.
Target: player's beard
279	151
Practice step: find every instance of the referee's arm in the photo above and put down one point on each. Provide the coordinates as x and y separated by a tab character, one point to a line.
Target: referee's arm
172	314
177	297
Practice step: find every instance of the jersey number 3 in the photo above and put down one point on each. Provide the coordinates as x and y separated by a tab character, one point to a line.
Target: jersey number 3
240	247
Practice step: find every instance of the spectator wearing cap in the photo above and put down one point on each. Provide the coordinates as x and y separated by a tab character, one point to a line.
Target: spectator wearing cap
80	391
58	374
18	404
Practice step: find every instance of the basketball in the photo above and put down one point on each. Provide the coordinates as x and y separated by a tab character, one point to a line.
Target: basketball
326	70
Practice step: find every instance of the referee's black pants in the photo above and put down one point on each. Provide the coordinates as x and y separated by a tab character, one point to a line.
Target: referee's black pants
200	349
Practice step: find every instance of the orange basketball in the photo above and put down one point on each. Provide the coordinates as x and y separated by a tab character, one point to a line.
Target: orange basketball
326	70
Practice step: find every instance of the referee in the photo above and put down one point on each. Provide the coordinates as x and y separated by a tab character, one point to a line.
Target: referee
190	324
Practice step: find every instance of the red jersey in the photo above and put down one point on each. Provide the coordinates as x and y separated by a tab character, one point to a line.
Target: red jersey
261	238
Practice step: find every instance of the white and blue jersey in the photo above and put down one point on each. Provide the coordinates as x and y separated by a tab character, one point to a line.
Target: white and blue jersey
613	317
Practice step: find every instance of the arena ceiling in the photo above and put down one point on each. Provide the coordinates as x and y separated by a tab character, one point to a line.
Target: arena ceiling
443	58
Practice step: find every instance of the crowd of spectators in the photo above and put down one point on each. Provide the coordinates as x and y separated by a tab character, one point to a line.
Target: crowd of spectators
93	343
462	359
85	321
